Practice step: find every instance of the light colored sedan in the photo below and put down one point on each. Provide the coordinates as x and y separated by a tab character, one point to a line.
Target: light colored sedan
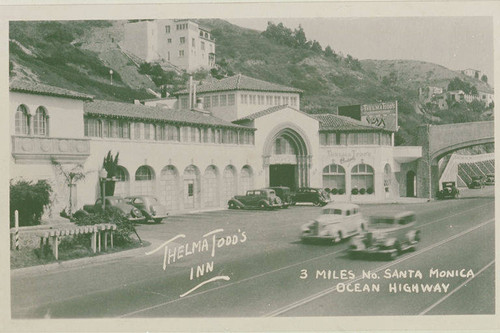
149	205
336	222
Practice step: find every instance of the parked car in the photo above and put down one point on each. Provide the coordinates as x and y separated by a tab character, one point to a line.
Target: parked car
149	206
388	235
336	222
449	191
490	179
284	194
316	196
119	204
476	182
264	198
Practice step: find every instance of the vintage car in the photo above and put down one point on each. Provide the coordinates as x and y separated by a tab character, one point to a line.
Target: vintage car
117	203
336	222
388	235
264	198
449	191
316	196
149	206
490	179
476	182
284	194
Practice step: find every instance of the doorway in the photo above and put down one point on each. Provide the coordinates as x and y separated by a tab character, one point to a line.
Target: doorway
411	182
283	175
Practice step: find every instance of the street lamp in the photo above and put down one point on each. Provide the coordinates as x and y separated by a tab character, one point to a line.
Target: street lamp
111	75
103	174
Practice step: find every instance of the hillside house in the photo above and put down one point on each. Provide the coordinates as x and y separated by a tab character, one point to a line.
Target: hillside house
183	43
474	73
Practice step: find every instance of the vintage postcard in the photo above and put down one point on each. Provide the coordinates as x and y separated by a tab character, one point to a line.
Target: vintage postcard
245	166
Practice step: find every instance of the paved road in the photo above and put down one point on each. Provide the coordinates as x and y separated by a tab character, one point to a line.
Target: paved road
261	271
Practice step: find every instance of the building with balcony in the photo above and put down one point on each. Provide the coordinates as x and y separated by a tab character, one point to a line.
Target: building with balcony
183	43
200	156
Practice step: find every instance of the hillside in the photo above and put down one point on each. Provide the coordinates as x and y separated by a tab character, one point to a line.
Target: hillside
78	55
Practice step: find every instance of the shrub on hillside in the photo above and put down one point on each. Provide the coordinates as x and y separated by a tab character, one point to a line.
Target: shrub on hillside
30	200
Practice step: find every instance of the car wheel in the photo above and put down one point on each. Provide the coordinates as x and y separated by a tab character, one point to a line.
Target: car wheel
263	205
337	238
232	205
417	236
158	221
392	255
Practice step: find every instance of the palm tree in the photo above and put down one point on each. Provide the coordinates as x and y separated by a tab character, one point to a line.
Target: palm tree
110	164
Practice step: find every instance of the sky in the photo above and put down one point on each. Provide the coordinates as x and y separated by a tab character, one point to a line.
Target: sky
454	42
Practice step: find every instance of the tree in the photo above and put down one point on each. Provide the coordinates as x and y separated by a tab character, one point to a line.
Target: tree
328	51
316	47
29	200
110	164
71	178
300	37
484	78
476	75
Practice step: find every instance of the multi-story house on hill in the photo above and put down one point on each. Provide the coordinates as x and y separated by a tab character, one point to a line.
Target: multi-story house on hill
183	43
473	73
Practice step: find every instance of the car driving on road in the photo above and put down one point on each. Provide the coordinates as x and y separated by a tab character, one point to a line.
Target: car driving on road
449	191
336	222
388	235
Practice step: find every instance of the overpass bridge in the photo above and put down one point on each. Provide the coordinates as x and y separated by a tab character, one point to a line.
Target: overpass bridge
440	140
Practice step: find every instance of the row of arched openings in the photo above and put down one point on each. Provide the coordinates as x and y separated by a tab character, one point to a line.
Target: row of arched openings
189	189
334	177
27	124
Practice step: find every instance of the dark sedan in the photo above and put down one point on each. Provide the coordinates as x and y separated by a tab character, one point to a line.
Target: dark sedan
316	196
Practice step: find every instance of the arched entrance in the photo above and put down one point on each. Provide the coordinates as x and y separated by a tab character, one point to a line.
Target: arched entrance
411	181
286	158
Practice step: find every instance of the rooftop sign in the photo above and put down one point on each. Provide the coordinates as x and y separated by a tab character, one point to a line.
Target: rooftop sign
383	115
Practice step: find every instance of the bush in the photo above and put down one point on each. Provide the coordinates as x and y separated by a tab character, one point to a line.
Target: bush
362	191
327	190
369	190
334	191
354	191
341	191
30	200
124	227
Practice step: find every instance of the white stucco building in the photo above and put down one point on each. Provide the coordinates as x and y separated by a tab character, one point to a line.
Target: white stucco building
247	134
183	43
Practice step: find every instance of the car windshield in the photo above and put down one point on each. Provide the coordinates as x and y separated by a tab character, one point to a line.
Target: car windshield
332	211
382	220
114	201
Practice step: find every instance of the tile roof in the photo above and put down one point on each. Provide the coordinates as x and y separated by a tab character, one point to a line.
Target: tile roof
240	82
139	111
269	111
342	123
42	89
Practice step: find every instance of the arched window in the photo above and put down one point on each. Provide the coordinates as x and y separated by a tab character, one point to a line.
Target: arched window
122	181
334	178
283	146
169	183
229	182
144	177
362	178
40	122
246	179
210	188
22	120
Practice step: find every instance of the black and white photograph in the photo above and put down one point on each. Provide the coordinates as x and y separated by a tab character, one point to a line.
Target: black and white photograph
250	162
